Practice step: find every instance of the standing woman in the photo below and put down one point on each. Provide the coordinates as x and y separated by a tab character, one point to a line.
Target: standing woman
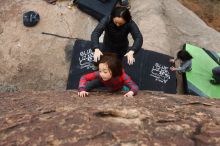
117	26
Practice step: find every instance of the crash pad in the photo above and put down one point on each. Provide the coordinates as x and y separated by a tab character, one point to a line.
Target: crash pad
197	80
150	70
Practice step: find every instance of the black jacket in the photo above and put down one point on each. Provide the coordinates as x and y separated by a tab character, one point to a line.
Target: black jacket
116	38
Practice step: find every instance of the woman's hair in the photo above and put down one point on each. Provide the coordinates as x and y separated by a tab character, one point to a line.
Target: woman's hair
184	55
114	64
121	12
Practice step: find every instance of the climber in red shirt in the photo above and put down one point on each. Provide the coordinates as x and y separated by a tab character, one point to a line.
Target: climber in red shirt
110	74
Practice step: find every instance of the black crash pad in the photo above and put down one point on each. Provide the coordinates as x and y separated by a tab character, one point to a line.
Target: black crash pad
150	70
97	8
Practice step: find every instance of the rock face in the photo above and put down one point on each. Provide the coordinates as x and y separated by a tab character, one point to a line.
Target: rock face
105	119
167	25
30	60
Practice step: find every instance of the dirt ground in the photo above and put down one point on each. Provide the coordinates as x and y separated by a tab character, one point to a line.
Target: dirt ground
207	10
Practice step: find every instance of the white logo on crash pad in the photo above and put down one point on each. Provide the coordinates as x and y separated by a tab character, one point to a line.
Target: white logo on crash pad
86	59
160	73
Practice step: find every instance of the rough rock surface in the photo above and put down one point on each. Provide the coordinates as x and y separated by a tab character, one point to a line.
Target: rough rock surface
105	119
30	60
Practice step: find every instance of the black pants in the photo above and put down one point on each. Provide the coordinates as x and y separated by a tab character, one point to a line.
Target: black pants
119	51
216	73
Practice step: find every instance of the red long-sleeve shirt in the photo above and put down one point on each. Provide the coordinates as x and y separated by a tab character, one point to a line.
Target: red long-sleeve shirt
114	84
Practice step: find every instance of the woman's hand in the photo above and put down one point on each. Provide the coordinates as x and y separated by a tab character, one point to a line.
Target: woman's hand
97	55
172	68
83	94
130	57
172	60
129	94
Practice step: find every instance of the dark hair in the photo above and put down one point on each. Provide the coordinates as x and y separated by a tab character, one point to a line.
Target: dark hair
184	55
114	64
121	12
